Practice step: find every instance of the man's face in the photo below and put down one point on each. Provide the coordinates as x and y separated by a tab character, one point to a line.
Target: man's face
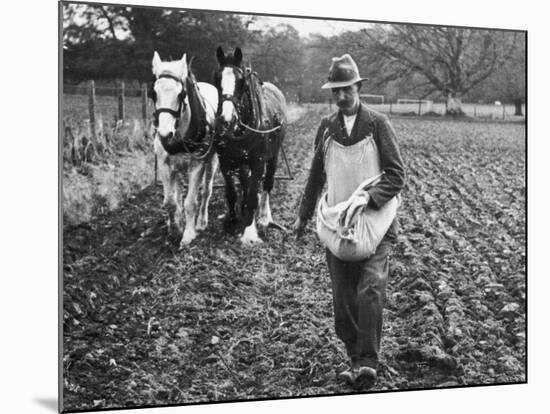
347	97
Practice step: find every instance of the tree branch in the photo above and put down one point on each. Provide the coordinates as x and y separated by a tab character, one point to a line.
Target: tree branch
109	21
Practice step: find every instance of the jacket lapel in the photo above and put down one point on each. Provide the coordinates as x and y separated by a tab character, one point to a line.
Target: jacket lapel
362	126
337	129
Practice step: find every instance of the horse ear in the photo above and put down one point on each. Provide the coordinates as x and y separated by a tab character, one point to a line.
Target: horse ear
220	55
238	56
156	62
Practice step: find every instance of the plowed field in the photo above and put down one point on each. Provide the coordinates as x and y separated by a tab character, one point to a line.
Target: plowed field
147	324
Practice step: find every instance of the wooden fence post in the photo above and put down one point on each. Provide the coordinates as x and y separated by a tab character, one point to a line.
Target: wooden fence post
475	110
419	107
144	119
121	101
156	170
503	111
391	106
144	104
91	110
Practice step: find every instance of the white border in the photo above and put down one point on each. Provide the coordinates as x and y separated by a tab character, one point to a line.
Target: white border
29	205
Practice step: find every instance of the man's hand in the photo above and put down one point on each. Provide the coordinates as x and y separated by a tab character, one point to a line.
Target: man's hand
358	203
298	227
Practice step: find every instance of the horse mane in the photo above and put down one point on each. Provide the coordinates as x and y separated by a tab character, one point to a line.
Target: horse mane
256	96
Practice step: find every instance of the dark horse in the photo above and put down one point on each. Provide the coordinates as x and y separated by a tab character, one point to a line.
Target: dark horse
250	125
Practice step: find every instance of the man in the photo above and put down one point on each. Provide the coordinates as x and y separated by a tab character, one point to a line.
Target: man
342	146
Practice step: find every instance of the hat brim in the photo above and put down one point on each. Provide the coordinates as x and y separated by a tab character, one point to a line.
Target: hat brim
330	85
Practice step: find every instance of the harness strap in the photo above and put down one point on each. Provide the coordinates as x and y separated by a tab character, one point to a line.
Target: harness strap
264	131
253	83
198	124
175	113
170	76
198	127
255	98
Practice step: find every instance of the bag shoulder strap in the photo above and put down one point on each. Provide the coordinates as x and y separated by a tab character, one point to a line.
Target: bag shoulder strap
325	139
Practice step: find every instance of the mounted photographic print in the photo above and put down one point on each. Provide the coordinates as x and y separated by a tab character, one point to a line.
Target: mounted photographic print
264	206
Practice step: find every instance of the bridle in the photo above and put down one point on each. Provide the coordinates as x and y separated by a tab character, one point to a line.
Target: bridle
231	98
181	101
199	133
238	105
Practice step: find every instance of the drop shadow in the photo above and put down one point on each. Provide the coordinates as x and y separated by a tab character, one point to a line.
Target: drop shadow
49	403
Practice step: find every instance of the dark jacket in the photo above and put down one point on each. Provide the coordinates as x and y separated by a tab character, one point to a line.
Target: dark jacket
367	122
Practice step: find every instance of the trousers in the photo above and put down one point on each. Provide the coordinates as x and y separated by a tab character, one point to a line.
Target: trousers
359	294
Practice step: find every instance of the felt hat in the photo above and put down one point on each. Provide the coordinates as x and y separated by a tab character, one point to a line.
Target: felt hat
343	72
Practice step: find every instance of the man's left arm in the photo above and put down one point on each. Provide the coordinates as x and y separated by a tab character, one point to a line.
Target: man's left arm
391	163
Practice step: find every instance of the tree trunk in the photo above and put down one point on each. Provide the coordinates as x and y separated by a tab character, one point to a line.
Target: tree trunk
517	103
454	105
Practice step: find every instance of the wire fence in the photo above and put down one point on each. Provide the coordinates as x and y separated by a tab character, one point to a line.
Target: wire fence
92	104
120	102
473	110
497	111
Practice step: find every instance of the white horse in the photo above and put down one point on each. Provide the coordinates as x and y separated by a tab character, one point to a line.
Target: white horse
185	112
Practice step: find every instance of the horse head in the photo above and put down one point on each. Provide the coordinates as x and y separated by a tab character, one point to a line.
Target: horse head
168	94
230	81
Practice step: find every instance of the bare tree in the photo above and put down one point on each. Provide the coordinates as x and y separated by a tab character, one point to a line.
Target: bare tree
449	61
509	83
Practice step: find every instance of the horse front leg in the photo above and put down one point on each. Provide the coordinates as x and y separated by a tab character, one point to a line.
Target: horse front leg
191	205
264	214
207	186
244	182
166	176
250	234
230	220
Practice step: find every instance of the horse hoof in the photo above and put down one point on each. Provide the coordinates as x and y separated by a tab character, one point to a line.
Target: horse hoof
201	225
183	245
186	241
248	241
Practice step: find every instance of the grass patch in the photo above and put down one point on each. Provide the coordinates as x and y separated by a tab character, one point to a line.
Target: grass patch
100	173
